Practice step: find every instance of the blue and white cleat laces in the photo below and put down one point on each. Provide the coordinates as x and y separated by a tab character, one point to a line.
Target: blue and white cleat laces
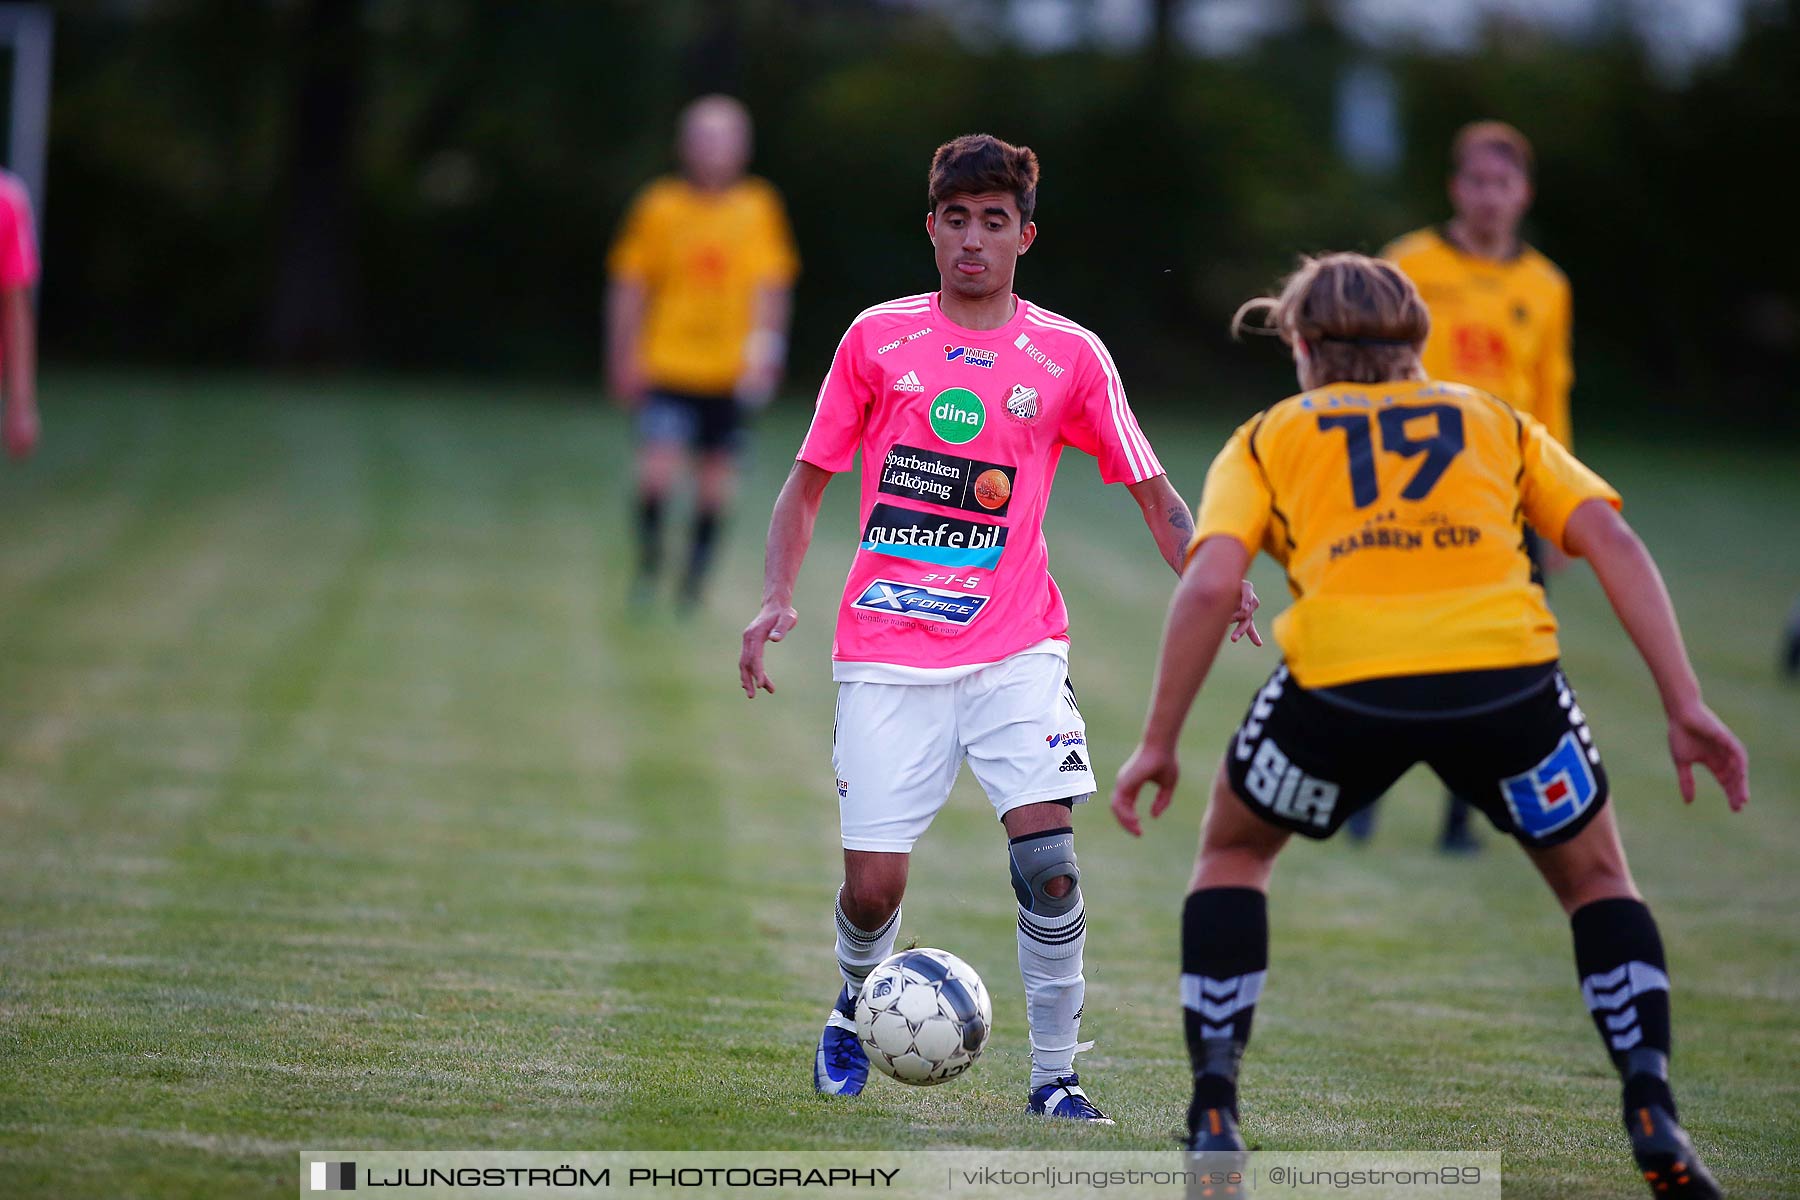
840	1068
1064	1098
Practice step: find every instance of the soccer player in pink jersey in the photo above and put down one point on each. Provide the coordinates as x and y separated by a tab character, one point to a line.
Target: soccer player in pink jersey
952	639
18	331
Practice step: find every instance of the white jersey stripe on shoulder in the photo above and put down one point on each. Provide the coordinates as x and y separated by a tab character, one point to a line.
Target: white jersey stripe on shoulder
1125	420
1138	453
1042	321
1137	450
906	304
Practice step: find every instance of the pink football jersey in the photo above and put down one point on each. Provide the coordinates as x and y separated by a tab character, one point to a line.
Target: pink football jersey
960	432
18	244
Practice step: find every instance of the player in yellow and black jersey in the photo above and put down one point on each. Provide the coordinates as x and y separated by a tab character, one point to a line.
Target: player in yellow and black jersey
1500	311
1500	320
698	298
1397	505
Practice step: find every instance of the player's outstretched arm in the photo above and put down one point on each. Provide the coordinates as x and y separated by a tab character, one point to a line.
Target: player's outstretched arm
1635	587
1171	523
1167	514
626	301
1202	606
790	533
20	419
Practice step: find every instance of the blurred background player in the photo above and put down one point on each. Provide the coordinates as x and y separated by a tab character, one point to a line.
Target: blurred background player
1395	502
18	328
952	639
1500	321
696	326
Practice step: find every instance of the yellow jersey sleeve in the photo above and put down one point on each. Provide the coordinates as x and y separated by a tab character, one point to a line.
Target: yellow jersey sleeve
1236	500
1556	368
635	251
774	261
1555	482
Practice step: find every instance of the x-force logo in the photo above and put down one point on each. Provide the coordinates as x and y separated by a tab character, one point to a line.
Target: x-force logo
920	603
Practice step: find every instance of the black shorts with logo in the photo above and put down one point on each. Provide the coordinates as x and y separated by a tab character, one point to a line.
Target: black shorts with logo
1513	742
705	424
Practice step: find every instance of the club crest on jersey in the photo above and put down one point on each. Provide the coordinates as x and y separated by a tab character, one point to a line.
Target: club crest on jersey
1023	404
1553	793
920	603
971	355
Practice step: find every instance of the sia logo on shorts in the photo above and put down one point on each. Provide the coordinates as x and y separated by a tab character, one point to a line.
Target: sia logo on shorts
957	415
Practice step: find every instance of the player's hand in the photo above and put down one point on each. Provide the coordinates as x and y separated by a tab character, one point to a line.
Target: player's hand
1697	736
1146	765
771	624
627	385
1244	619
756	388
20	430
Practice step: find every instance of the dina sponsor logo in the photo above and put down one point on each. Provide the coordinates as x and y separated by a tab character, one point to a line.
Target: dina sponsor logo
957	415
965	483
1036	355
972	356
919	603
924	537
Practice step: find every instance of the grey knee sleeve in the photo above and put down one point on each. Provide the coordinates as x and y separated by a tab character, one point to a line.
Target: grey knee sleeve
1037	858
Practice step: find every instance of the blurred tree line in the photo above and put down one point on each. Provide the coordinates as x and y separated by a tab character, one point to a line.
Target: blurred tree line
431	184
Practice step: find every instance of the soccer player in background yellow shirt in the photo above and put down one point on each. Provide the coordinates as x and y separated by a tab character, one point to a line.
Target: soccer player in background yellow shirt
1500	320
1396	504
697	310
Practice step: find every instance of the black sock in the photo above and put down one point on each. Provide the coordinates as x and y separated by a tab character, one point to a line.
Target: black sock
1224	958
700	554
649	527
1625	982
1456	818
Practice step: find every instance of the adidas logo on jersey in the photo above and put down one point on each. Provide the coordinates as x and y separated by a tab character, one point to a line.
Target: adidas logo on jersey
1073	763
909	382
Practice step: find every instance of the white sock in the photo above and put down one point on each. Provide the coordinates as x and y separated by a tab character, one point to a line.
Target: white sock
1050	964
858	950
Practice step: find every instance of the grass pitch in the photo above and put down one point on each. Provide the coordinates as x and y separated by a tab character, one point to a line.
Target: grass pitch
345	804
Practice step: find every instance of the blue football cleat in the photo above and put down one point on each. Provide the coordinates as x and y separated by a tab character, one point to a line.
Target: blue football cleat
1064	1098
840	1068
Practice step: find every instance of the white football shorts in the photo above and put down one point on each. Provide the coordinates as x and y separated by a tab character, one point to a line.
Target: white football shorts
898	747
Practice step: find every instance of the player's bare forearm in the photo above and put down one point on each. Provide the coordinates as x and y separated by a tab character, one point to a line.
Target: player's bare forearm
1168	517
625	304
1637	593
765	348
1201	608
1635	588
791	531
19	421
